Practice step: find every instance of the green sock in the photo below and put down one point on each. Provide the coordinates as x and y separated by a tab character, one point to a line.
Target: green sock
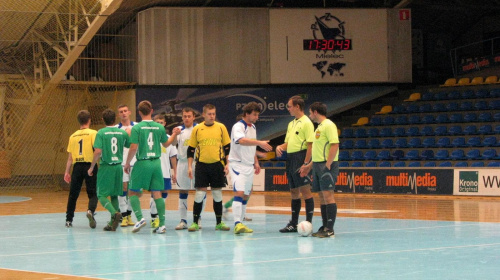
115	203
136	206
107	204
228	204
160	206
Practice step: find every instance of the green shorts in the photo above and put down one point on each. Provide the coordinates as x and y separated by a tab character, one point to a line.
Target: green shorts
146	175
109	180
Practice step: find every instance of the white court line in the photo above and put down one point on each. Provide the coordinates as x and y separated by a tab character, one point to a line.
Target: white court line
304	258
44	272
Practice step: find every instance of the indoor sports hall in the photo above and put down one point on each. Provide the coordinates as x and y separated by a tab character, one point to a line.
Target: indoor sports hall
412	86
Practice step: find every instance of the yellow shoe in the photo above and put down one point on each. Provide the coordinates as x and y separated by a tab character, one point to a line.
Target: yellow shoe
247	229
241	228
155	223
124	221
130	223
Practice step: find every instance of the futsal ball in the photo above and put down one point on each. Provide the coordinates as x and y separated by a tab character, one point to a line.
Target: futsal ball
304	228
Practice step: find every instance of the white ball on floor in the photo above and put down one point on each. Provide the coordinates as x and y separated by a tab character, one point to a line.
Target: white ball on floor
304	228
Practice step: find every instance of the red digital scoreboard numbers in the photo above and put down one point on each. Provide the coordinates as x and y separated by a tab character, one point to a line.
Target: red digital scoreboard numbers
327	45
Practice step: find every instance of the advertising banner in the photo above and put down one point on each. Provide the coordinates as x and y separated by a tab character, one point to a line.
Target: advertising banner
476	182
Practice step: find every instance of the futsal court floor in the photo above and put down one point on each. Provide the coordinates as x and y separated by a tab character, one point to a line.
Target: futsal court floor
376	237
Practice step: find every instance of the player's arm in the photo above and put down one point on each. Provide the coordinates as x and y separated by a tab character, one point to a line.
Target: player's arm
131	154
97	155
173	164
69	162
281	148
172	139
308	153
331	155
256	165
264	144
190	157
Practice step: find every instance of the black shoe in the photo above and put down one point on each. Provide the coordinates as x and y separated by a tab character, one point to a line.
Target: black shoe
90	216
69	224
322	228
109	228
116	220
289	228
326	233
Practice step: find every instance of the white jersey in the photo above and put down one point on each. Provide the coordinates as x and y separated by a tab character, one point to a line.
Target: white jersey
166	154
125	150
183	142
240	153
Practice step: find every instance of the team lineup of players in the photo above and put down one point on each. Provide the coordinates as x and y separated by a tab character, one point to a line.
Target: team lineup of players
140	156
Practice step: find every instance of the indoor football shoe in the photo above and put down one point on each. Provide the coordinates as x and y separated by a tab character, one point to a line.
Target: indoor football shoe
194	227
92	222
315	234
289	228
155	222
160	230
222	226
181	225
116	220
140	224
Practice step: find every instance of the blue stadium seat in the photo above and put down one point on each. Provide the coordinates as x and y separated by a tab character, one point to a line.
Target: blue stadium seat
415	143
425	108
427	96
452	107
481	105
457	154
266	164
370	155
280	164
412	155
455	130
385	164
430	164
458	142
485	117
347	133
443	142
485	129
490	154
386	132
470	117
494	164
497	129
429	142
397	154
343	164
398	109
372	132
472	154
401	143
360	133
357	155
495	92
399	132
374	144
440	95
344	156
401	120
414	119
400	164
442	154
357	164
474	142
494	105
388	120
441	130
360	144
442	118
413	131
445	164
466	106
454	95
427	154
384	155
414	164
427	131
456	118
412	108
461	164
428	119
387	143
477	164
490	141
347	144
482	93
371	164
470	130
375	120
468	94
438	107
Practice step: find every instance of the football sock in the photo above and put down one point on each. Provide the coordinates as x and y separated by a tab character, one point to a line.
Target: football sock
136	206
323	214
197	211
228	204
183	205
237	209
114	202
296	205
309	209
107	204
331	210
160	205
243	209
218	211
152	206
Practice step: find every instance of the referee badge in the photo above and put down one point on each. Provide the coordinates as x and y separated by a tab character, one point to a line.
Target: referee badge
318	134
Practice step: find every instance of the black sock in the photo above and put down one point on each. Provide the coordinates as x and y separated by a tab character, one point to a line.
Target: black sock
331	210
296	205
154	215
309	209
197	211
218	211
323	214
129	212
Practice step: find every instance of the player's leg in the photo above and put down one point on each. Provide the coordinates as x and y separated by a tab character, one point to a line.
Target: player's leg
77	177
158	187
217	182
201	182
124	201
185	184
327	185
309	201
91	187
155	221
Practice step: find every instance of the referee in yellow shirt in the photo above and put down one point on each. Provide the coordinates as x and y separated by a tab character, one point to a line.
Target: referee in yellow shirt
80	155
298	144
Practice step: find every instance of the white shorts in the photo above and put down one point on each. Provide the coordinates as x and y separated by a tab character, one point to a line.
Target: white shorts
183	180
241	177
126	177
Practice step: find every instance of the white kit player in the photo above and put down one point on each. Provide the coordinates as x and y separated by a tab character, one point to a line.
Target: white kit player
125	207
243	162
183	181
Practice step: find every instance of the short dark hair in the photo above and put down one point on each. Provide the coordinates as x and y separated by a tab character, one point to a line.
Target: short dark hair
208	107
251	107
109	117
122	106
188	109
318	107
298	100
83	117
145	107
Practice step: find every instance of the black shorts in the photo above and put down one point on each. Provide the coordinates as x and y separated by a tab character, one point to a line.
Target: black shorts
324	179
209	175
293	164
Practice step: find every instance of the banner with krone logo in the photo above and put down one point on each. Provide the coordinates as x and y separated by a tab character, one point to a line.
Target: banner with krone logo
484	182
